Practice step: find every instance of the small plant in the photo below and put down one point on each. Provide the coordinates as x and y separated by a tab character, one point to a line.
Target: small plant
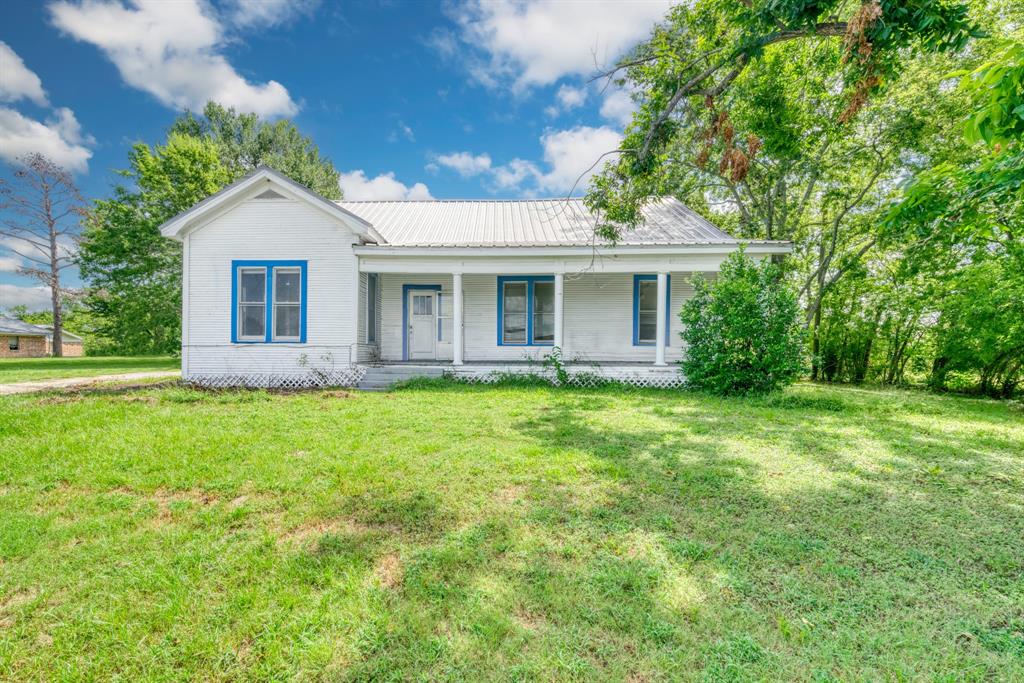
742	331
553	361
324	373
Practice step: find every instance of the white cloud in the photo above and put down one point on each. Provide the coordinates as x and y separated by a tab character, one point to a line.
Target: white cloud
170	50
356	187
537	42
35	298
10	264
569	155
266	13
60	139
404	131
465	163
513	174
17	81
570	97
618	106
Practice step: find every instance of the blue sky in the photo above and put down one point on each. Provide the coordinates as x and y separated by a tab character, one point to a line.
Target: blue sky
462	99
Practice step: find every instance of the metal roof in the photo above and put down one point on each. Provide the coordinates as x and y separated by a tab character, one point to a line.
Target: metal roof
24	329
525	223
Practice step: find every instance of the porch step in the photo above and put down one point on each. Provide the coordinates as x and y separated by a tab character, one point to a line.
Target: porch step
384	376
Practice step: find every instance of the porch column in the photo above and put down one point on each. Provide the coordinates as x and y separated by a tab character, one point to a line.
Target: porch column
456	318
659	339
559	277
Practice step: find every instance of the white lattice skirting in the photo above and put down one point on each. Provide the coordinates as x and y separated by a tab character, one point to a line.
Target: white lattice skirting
657	378
346	377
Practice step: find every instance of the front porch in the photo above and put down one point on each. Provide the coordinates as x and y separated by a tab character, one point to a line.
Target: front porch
497	321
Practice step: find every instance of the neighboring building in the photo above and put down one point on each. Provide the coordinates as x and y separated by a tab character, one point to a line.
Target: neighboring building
283	287
23	340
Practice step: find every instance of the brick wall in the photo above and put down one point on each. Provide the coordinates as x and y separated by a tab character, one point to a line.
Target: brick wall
28	347
71	349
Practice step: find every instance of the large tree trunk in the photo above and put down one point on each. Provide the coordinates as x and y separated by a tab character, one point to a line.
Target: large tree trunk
58	318
58	323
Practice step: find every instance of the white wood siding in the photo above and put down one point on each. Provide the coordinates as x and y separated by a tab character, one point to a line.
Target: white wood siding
598	318
392	329
269	229
368	352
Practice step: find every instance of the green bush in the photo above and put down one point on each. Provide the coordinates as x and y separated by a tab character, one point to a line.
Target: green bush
742	330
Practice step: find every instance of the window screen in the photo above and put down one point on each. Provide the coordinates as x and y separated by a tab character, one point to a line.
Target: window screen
252	303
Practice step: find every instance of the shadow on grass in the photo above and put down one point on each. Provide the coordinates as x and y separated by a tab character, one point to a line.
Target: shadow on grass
676	544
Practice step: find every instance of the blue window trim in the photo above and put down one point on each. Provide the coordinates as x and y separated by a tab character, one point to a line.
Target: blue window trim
530	280
637	279
405	314
269	303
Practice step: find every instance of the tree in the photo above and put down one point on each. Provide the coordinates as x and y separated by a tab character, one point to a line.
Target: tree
965	225
742	331
43	208
134	273
244	142
687	74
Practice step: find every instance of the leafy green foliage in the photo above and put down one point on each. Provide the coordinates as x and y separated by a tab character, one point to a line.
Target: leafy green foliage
980	329
741	331
134	274
995	87
689	73
965	224
804	123
76	317
244	142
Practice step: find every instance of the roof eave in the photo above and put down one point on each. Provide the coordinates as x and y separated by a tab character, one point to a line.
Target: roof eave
763	247
176	227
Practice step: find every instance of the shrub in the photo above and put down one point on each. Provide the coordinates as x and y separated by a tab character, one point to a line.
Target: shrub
742	330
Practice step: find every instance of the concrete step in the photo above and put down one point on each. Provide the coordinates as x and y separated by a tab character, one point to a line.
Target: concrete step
383	377
405	370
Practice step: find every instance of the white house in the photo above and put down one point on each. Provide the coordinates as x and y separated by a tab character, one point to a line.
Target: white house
282	287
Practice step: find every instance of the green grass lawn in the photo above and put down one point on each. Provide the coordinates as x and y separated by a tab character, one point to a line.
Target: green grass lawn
447	532
14	370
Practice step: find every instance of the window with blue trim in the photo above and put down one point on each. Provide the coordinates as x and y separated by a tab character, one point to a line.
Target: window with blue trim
268	302
526	310
645	309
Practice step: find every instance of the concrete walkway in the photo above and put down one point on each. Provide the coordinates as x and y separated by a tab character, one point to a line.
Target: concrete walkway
78	382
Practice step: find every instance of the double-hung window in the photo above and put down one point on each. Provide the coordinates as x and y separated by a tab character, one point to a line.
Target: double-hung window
526	311
645	310
269	301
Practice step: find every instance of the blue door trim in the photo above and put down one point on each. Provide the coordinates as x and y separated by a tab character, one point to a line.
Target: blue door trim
637	279
405	314
269	302
529	280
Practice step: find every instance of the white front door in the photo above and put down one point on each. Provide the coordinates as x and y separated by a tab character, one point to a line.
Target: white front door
422	324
